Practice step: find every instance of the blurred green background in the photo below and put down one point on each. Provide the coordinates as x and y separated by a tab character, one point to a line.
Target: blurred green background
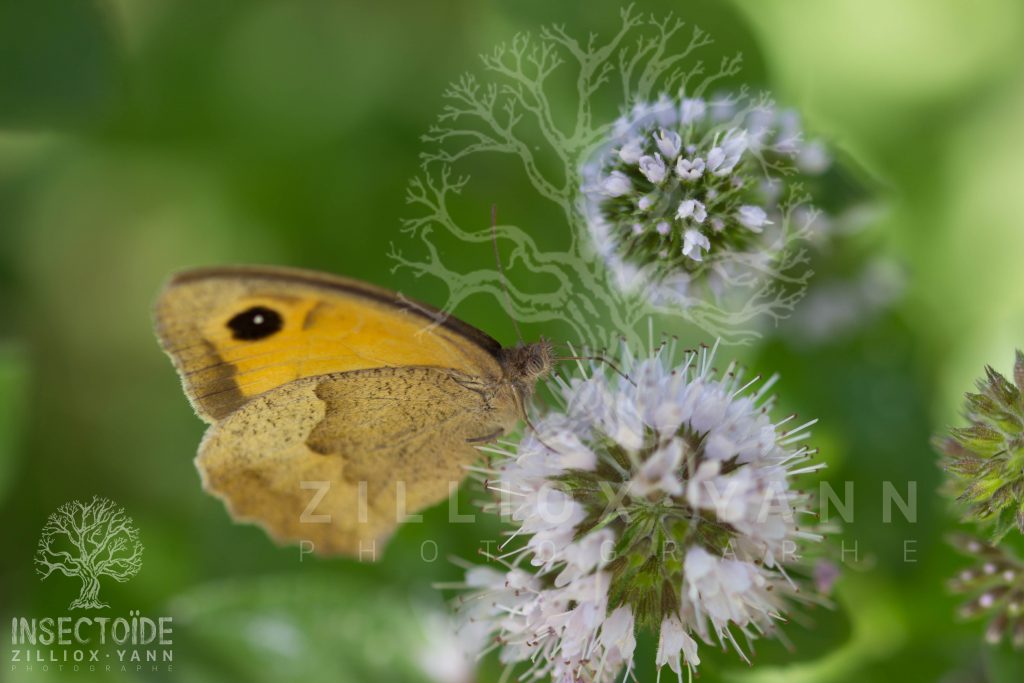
138	137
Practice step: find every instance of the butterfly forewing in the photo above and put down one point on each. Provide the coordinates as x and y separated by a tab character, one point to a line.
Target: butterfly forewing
235	333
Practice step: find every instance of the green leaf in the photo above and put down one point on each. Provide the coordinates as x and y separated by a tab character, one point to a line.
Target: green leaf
310	628
13	399
981	403
979	438
1006	522
1018	370
1004	664
1000	389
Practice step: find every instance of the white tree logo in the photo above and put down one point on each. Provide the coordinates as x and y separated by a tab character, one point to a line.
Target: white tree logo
89	541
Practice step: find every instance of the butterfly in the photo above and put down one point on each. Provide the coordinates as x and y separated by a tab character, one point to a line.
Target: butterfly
335	407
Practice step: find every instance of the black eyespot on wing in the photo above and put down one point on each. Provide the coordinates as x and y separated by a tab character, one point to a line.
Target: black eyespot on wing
255	323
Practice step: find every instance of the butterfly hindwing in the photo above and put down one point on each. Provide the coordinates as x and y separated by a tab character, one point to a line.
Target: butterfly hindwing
371	444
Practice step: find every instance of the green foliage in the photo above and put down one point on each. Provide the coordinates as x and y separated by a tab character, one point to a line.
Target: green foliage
14	378
310	627
986	459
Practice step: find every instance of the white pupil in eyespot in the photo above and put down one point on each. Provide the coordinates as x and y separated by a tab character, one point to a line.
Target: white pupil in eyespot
258	319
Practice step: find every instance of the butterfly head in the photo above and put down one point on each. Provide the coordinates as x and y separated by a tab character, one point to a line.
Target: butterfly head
524	364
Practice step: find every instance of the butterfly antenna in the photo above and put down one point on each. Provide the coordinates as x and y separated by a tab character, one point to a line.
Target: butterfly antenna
600	359
501	272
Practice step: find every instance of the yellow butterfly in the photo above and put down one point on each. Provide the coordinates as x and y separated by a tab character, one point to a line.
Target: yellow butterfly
335	405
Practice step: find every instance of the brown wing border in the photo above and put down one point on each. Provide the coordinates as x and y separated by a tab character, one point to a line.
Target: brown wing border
350	286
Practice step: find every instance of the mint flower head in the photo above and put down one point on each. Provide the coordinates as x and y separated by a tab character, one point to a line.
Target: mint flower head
658	499
691	195
986	458
996	584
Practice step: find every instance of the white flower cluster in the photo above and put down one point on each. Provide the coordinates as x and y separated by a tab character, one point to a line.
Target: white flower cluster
687	186
657	498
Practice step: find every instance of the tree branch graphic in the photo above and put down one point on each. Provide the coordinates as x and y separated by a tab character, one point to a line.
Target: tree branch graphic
511	111
89	541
